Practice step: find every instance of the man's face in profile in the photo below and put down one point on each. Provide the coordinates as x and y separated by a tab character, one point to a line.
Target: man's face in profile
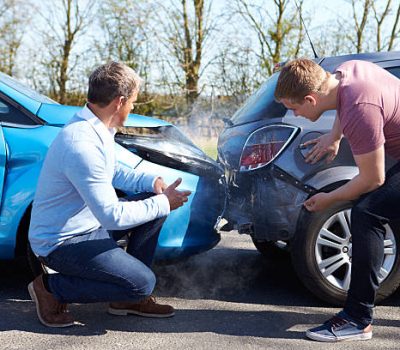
126	108
307	108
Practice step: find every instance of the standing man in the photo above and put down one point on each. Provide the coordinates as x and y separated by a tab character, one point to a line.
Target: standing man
367	101
77	216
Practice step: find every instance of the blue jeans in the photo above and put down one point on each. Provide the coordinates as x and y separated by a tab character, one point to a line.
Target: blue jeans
93	268
368	217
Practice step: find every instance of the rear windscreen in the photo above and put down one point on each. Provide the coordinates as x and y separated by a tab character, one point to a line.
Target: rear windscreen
261	105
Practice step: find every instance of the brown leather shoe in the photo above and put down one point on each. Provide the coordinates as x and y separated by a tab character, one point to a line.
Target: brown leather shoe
50	312
147	308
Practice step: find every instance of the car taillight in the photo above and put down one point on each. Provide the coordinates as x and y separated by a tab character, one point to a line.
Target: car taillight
264	145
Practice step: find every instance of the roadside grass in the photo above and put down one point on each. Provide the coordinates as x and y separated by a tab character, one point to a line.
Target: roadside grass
208	145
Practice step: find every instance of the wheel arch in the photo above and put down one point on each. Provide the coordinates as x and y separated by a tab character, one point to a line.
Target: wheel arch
327	177
305	214
326	180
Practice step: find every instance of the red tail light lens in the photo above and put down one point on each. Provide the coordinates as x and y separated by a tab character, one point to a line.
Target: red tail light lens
260	154
264	145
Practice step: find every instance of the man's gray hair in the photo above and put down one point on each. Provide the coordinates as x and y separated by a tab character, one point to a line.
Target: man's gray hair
112	80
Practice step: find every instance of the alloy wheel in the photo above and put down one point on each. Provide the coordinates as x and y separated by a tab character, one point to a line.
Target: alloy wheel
333	250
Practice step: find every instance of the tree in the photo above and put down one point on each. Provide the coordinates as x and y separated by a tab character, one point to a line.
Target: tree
395	33
380	17
13	20
65	22
236	72
125	25
185	33
360	23
333	38
279	32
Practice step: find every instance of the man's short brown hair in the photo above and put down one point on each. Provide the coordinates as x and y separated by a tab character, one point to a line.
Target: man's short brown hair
298	78
112	80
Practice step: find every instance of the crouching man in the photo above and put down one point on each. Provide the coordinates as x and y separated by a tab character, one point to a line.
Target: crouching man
77	216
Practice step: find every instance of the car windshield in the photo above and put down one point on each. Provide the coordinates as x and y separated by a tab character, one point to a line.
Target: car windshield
20	87
261	105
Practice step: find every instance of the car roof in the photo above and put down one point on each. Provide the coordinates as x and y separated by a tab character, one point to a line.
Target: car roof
56	114
22	94
330	63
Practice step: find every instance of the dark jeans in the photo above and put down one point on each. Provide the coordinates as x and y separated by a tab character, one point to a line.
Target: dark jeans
368	217
93	268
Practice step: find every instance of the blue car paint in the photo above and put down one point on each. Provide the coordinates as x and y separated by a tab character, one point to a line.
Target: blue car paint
2	162
173	241
59	115
23	150
29	104
188	230
22	172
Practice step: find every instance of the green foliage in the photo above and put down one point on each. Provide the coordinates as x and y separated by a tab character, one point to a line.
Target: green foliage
72	98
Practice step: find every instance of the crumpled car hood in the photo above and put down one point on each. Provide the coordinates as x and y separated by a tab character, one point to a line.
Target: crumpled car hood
167	146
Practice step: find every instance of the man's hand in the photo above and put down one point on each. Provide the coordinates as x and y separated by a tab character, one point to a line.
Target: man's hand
319	202
176	198
159	185
325	144
371	175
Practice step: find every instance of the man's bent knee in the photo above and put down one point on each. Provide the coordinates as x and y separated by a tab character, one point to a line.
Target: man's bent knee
144	285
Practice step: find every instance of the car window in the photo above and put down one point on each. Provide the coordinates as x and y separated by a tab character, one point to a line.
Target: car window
395	71
10	114
261	105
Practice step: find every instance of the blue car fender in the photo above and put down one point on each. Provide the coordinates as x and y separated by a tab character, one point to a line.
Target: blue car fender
26	149
18	196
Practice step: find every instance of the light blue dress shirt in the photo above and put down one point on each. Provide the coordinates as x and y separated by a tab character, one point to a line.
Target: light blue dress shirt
75	192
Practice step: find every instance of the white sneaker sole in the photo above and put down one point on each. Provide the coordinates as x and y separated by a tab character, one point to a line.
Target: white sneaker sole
333	339
32	293
126	312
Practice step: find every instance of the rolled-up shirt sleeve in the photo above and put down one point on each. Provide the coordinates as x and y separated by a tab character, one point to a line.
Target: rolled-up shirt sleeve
87	171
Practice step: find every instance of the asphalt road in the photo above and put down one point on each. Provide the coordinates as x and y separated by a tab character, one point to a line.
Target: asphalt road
227	298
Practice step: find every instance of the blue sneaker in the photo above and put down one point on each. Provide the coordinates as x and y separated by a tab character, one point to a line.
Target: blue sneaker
340	328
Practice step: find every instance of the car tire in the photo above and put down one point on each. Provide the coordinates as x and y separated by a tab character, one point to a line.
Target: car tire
329	279
271	249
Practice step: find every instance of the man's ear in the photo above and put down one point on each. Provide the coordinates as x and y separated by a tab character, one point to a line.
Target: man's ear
119	101
310	99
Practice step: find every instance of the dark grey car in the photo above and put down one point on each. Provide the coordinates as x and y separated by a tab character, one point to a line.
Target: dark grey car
260	149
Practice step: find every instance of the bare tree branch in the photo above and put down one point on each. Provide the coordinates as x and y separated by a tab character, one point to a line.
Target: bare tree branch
68	21
395	31
13	23
379	18
360	24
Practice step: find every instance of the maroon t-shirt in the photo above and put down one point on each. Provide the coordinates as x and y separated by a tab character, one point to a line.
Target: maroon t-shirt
369	107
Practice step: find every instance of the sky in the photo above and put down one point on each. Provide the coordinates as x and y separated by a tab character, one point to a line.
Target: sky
318	14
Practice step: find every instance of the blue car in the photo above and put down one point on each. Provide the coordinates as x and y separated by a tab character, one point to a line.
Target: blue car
30	122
